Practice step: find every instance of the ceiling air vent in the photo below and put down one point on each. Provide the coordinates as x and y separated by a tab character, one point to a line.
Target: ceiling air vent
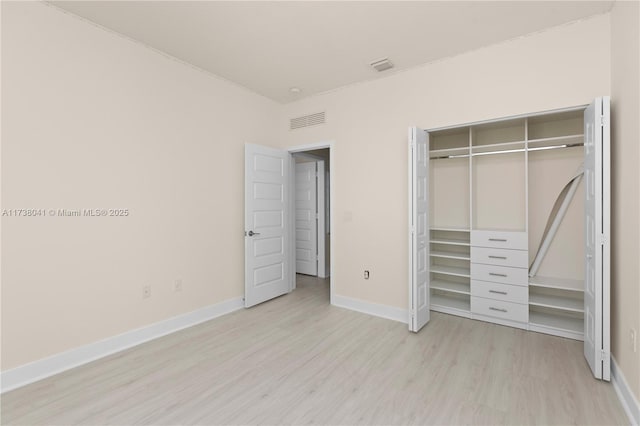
307	120
382	65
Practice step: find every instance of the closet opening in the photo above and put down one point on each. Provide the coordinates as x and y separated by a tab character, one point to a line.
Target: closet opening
509	224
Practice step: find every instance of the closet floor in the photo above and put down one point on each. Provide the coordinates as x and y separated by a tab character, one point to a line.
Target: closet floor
297	359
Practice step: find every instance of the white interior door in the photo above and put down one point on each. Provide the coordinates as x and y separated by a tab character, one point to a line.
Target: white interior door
306	219
597	272
419	228
266	221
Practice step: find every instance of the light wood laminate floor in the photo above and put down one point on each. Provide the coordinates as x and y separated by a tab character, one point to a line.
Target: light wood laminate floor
298	360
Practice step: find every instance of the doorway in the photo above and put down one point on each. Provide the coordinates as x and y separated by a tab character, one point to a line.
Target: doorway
311	196
270	225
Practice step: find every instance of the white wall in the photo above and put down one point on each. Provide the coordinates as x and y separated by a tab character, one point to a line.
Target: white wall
92	120
368	122
625	198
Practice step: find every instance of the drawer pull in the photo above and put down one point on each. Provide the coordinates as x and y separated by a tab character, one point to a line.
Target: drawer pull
502	240
498	275
497	309
498	292
498	257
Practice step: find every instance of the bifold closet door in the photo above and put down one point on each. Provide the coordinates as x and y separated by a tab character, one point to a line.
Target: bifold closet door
597	248
418	228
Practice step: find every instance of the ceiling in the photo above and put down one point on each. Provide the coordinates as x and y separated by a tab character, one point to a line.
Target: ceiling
269	47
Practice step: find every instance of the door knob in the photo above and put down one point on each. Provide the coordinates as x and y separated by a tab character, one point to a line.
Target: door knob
251	233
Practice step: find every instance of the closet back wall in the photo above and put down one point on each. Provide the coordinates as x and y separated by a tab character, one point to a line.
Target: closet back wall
92	120
553	69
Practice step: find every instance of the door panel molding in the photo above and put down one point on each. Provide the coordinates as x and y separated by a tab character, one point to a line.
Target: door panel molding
306	213
419	270
266	220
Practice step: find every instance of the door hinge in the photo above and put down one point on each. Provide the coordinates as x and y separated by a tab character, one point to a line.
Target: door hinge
604	356
603	239
602	121
317	216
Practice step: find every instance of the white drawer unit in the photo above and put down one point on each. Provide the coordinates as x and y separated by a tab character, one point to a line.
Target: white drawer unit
503	292
500	309
499	274
500	239
500	257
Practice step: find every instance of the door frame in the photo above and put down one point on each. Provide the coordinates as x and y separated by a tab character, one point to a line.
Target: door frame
300	149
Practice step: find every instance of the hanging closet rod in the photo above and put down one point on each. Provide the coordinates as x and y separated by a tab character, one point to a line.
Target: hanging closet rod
508	151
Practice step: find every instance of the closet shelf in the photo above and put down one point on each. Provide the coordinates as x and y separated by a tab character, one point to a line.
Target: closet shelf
449	151
533	145
451	270
556	141
574	325
450	255
557	283
450	286
461	237
461	304
445	229
450	242
496	146
556	302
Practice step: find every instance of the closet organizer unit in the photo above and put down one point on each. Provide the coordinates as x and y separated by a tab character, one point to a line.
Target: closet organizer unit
494	191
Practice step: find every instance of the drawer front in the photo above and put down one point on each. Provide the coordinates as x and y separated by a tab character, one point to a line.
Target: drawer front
500	274
500	239
500	257
503	292
500	309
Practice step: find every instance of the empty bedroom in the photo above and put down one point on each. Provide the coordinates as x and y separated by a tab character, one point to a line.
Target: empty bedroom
320	212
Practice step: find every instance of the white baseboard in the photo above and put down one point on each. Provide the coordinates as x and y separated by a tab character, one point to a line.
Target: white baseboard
38	370
625	394
377	310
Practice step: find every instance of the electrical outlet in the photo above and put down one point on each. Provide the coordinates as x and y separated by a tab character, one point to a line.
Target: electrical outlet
633	335
177	285
146	291
366	275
